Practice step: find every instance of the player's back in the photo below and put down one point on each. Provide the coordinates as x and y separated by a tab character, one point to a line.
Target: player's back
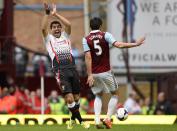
99	49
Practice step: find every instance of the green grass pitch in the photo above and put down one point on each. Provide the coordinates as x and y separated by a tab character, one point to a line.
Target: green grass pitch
92	128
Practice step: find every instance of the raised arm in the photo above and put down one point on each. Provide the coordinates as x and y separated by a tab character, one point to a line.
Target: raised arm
129	45
62	19
45	20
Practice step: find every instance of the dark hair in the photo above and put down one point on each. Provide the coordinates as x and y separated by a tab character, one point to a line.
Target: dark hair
95	23
54	22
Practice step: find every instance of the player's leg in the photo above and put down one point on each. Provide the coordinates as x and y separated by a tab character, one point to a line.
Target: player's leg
65	86
112	87
97	110
75	82
112	104
77	114
111	109
69	99
97	91
74	109
77	99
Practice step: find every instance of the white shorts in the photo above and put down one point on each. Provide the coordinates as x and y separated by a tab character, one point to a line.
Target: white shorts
104	82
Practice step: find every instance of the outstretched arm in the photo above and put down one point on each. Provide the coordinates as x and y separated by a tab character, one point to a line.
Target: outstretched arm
45	20
129	45
62	19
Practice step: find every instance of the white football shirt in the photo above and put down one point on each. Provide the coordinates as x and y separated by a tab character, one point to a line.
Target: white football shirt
59	48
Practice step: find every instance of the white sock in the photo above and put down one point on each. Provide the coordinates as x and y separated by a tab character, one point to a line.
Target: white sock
71	105
112	106
97	109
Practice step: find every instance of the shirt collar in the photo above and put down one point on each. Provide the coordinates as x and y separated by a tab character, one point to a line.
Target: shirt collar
94	31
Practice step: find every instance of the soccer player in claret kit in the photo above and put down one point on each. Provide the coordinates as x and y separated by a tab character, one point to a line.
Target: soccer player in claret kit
59	48
100	78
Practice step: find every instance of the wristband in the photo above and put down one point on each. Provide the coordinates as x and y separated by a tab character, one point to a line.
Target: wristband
47	11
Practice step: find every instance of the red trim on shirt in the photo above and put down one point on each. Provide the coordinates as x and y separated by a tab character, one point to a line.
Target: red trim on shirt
56	59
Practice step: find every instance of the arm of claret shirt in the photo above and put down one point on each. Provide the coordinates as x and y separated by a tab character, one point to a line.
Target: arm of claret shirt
129	45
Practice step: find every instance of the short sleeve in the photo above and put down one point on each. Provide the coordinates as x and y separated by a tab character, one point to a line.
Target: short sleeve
85	45
110	39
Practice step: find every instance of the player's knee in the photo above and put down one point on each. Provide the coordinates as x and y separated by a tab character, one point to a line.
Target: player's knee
99	94
76	97
69	98
115	93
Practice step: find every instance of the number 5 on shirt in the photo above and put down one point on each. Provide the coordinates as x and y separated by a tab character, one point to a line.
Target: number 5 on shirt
98	47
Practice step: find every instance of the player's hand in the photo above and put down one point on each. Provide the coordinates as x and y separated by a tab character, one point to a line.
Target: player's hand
47	8
140	41
90	80
54	9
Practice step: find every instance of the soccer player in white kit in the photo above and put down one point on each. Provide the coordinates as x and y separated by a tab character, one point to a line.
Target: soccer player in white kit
58	46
